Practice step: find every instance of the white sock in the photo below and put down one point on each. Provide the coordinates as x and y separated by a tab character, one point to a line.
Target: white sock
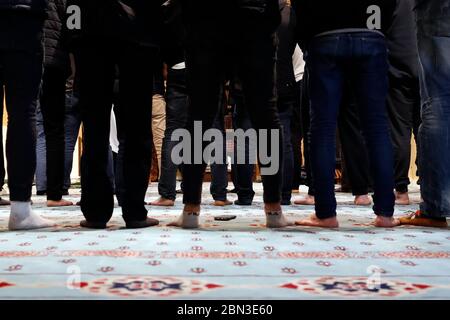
277	220
22	217
188	221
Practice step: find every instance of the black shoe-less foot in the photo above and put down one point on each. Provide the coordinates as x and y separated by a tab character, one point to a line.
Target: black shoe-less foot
4	202
41	192
149	222
93	225
243	203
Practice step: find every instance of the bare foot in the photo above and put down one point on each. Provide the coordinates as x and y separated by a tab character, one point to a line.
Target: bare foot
162	202
313	221
402	198
306	201
363	200
386	222
60	203
189	219
220	203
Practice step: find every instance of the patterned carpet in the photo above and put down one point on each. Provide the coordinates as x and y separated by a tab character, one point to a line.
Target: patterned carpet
238	259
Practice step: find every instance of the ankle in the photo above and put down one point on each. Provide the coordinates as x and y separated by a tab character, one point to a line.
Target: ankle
272	207
191	208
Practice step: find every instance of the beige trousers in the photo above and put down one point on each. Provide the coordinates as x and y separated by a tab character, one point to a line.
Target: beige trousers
158	125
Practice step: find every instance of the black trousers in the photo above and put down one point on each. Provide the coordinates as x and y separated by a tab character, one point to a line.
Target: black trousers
219	171
306	124
404	94
21	58
2	158
285	109
96	64
52	103
242	174
176	118
404	115
296	137
213	48
354	149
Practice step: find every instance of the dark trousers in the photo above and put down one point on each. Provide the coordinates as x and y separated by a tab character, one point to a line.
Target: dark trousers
213	48
21	58
356	158
219	171
96	63
2	158
306	132
72	125
356	167
242	174
52	104
433	34
361	59
176	118
285	108
404	92
296	137
404	115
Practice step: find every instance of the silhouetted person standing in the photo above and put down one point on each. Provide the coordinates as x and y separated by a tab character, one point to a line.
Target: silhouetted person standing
345	42
21	59
215	46
123	34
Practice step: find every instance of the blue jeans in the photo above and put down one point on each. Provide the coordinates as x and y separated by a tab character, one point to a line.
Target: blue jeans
433	33
361	59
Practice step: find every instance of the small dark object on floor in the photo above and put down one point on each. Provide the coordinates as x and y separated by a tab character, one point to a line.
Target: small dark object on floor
225	218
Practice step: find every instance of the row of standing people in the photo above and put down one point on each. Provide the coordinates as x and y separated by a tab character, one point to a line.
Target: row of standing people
126	38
